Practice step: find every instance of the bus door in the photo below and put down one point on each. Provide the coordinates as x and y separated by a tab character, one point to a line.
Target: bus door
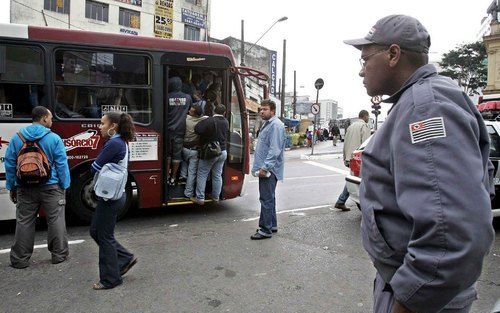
203	79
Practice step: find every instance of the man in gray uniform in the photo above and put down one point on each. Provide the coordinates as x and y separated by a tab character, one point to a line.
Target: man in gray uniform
426	177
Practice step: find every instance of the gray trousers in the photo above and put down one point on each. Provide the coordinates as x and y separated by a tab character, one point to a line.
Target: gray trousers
383	299
29	201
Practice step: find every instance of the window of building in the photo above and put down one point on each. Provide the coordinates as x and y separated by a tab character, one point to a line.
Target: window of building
59	6
191	33
21	85
89	84
129	18
195	2
96	11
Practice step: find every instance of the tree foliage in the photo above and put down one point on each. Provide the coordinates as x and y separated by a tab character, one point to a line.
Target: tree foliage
467	65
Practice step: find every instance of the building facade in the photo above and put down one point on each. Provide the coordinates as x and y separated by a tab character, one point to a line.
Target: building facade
177	19
328	111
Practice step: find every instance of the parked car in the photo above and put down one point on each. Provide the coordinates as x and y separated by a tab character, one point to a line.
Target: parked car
354	179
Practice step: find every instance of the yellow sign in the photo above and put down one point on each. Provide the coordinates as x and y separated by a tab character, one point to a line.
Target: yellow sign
59	3
164	18
135	21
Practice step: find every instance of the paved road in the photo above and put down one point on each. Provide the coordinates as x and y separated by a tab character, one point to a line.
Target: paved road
200	259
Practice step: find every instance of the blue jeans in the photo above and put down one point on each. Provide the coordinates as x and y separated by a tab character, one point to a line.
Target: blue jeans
190	157
215	165
267	189
113	257
343	196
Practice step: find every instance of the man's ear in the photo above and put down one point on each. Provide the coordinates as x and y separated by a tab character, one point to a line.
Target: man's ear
394	55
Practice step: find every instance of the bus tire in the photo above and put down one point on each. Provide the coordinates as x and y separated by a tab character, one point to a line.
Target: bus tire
82	201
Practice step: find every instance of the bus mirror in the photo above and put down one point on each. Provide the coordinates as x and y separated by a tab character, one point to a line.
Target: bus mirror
3	57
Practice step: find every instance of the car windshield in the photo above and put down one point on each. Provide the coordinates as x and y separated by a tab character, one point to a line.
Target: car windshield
494	142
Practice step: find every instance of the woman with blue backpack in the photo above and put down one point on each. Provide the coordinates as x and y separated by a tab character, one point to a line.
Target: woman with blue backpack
110	169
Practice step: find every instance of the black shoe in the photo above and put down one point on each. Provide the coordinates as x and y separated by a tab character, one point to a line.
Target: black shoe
274	230
128	267
258	236
342	207
19	266
57	261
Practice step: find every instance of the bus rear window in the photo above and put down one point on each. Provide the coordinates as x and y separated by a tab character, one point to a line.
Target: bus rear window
21	86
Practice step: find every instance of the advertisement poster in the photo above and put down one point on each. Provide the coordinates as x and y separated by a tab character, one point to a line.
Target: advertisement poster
144	148
194	18
164	18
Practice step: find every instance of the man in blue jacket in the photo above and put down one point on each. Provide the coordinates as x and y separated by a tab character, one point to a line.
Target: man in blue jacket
268	165
50	196
426	177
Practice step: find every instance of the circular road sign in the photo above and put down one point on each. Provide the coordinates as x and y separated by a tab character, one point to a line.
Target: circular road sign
315	109
318	84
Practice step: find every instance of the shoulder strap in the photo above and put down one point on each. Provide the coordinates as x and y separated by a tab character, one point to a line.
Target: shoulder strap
21	137
422	92
215	127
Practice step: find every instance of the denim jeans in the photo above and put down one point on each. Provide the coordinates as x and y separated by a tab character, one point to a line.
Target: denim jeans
215	165
113	257
267	220
190	157
343	196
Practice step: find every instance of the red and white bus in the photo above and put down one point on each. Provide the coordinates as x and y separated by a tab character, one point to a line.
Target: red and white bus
80	75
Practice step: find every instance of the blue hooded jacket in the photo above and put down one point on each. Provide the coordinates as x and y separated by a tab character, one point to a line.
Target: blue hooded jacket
53	147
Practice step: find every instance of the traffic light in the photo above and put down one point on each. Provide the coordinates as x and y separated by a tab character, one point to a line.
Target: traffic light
376	109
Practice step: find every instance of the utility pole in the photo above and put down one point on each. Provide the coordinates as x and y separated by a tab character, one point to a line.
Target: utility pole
283	72
242	43
279	89
294	92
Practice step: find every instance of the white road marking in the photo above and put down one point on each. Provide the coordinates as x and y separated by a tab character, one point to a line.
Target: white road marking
290	211
320	156
73	242
328	167
300	177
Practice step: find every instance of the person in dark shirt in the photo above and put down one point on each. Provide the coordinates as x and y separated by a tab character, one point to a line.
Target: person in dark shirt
178	107
214	128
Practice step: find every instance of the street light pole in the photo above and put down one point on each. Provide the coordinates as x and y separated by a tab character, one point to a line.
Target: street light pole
284	18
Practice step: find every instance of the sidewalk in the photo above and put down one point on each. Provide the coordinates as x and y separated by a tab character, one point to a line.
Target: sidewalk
320	148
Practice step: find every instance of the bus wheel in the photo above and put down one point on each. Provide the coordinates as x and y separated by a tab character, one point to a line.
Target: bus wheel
83	201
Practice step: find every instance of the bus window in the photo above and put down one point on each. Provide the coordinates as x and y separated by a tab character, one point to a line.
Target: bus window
89	84
235	152
21	85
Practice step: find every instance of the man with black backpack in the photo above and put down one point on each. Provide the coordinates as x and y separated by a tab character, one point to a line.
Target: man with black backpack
37	173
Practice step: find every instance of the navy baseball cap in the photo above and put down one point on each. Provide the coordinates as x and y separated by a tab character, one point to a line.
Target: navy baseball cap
403	30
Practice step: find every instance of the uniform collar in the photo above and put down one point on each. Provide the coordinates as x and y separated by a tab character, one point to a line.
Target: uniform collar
422	72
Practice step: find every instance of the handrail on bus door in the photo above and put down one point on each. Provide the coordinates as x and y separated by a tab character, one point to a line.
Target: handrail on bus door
251	72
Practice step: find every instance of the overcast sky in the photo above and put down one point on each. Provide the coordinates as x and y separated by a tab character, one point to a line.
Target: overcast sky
315	29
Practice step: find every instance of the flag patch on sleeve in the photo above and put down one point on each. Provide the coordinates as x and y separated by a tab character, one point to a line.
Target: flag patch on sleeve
427	129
